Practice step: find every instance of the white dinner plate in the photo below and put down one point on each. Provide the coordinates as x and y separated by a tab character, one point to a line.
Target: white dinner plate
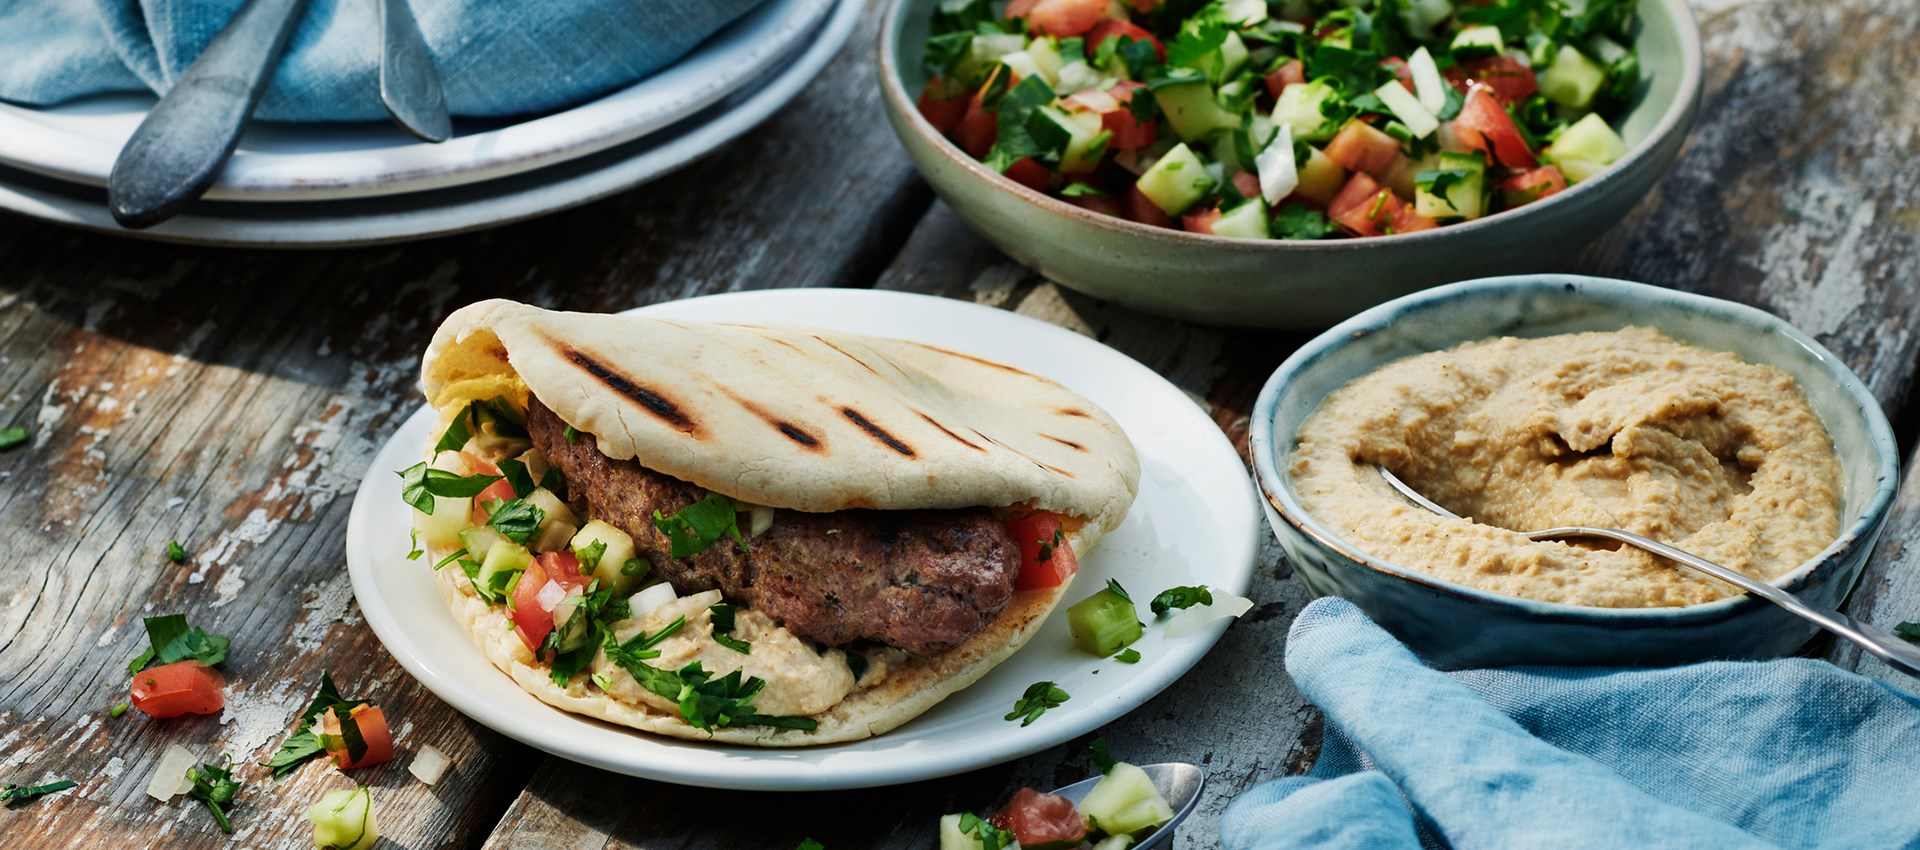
457	209
307	162
1194	523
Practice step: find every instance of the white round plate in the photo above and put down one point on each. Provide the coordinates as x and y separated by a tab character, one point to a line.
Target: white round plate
306	162
1193	523
458	209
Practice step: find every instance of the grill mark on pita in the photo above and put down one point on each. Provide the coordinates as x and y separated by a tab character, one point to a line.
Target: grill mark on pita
863	364
1074	411
778	341
649	400
877	432
787	429
1066	442
943	429
980	360
1030	459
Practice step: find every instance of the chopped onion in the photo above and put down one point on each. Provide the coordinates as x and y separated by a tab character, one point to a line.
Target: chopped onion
1225	606
641	604
1428	85
428	765
1094	100
170	775
550	595
1275	166
761	521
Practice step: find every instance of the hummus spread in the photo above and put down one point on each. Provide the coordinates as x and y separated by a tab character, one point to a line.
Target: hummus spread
1626	429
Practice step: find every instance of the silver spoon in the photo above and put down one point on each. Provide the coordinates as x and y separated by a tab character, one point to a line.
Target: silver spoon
409	82
1178	781
1887	646
179	148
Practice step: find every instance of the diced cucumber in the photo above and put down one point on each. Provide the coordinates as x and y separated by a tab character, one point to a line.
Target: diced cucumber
1125	802
1192	110
951	838
1587	140
479	540
1320	177
1047	58
986	49
1464	198
1407	108
1476	42
1105	622
503	557
1224	61
609	570
1177	181
1246	221
1299	107
1077	76
1020	62
442	527
557	521
1084	144
1573	79
343	819
1578	171
1244	13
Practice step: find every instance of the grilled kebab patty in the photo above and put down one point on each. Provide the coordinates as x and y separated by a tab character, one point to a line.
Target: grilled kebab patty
921	580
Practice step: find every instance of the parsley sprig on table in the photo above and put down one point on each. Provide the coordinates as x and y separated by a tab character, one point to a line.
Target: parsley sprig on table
214	786
173	640
11	793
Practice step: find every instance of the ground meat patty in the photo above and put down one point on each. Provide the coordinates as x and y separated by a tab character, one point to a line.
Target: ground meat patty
922	581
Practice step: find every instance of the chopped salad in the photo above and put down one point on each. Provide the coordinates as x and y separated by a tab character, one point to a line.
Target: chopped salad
1290	119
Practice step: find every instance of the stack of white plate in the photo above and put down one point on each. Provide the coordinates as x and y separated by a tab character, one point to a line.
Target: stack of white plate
295	185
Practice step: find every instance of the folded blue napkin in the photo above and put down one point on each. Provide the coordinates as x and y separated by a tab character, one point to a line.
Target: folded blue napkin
496	57
1791	753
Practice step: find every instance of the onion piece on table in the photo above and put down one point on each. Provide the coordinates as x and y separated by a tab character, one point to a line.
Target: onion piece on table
170	774
429	765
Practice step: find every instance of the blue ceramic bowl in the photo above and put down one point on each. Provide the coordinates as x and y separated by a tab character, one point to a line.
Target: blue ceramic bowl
1454	626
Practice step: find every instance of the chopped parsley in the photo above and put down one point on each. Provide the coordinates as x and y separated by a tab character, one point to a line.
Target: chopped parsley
1180	597
589	555
1910	631
1079	190
989	836
11	793
118	709
305	744
12	438
1119	591
518	519
1047	546
1299	221
214	785
1039	697
171	640
695	527
1102	757
455	556
722	615
518	477
419	483
176	552
705	702
574	642
1128	656
1437	183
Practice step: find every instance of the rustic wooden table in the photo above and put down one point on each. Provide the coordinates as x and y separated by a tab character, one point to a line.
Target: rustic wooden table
233	399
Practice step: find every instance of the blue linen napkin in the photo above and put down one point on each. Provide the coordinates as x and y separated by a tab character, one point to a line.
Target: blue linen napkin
1790	753
496	57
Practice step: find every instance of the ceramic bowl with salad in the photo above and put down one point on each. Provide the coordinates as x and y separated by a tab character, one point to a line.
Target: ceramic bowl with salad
1286	163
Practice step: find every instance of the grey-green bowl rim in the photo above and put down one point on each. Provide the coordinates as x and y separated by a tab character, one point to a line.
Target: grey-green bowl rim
1861	532
1687	99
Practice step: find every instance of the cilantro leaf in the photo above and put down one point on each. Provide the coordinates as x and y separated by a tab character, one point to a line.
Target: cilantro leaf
457	434
10	793
518	519
1128	656
171	640
1039	697
1180	597
1299	221
695	527
590	555
1198	38
517	477
419	483
1015	123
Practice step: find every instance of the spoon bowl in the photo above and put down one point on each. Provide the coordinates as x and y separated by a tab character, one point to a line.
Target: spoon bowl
1178	781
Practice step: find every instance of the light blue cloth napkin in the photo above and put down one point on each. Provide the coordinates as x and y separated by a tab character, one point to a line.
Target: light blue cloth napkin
496	57
1791	753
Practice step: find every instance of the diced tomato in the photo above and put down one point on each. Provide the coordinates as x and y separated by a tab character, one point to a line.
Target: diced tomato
1363	205
1145	211
1247	184
1405	220
372	724
1029	173
1200	220
1128	132
1484	125
498	491
1062	18
1529	186
944	113
1110	28
977	128
1102	204
563	567
1045	558
1360	147
531	620
1041	821
1290	72
1508	79
1019	8
183	687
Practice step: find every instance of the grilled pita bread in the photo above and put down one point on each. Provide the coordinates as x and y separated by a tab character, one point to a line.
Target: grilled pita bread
795	418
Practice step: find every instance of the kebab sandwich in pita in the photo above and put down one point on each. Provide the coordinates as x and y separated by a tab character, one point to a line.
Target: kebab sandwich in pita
755	534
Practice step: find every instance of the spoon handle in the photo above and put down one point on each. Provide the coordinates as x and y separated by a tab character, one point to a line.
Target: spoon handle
179	148
1888	647
409	82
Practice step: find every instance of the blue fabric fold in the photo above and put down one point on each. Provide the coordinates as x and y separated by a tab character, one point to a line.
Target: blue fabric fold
496	57
1789	753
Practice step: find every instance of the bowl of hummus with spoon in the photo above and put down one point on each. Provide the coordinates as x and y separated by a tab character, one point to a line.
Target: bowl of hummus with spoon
1532	402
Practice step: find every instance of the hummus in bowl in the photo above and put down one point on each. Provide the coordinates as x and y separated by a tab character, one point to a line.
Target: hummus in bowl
1626	429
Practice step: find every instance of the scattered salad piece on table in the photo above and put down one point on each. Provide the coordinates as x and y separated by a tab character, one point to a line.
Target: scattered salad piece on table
169	779
183	687
343	820
315	734
1121	808
176	552
118	709
429	764
11	793
13	438
810	844
1039	697
1910	631
1348	117
214	786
